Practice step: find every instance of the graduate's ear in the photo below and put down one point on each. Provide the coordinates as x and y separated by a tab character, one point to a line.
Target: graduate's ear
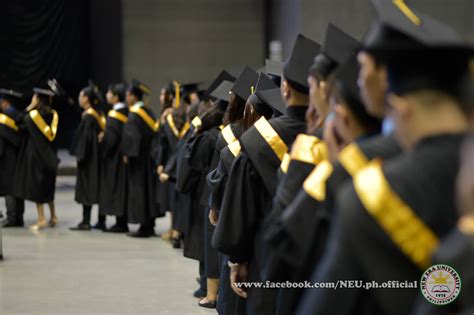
285	90
343	113
401	106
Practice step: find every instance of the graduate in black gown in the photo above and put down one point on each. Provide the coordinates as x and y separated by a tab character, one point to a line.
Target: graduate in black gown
172	130
137	137
256	107
351	124
86	148
405	205
457	249
252	180
187	180
35	173
202	159
113	188
11	114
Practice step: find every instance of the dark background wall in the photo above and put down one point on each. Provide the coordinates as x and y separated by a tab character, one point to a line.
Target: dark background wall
190	40
162	40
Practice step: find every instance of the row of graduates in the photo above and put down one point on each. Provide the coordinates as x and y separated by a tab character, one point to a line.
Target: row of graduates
28	153
296	181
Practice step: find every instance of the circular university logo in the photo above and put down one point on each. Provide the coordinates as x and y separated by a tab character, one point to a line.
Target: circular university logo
440	284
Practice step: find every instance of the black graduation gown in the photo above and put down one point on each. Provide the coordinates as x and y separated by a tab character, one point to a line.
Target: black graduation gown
247	200
181	200
296	238
189	181
228	302
37	164
85	147
457	251
10	139
168	138
113	190
424	180
200	158
136	145
220	165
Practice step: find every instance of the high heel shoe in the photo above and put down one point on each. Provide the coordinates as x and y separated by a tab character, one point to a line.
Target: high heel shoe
39	226
53	223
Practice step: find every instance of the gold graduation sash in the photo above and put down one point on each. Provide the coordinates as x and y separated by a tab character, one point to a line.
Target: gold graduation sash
118	115
146	118
184	130
285	163
9	122
228	135
309	149
271	137
196	122
315	183
48	131
414	238
100	118
352	159
235	148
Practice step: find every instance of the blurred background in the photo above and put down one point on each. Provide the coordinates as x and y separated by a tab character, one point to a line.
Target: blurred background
158	41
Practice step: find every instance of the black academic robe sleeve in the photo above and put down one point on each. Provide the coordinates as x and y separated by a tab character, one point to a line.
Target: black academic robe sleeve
186	177
340	262
242	208
217	179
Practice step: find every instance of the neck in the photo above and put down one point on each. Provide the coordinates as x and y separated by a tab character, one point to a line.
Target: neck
443	120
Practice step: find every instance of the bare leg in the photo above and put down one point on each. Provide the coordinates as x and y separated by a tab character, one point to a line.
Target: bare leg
42	223
54	219
212	289
169	234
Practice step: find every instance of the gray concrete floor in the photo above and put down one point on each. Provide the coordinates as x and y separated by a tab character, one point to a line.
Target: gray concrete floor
57	271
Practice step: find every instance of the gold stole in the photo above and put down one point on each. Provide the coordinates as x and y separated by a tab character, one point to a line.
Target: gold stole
118	115
9	122
146	118
48	131
100	118
271	137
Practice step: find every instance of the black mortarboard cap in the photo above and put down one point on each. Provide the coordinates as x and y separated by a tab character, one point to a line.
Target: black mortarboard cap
400	27
222	92
338	45
274	98
59	90
10	93
274	68
262	107
419	51
297	66
224	75
243	85
139	88
45	92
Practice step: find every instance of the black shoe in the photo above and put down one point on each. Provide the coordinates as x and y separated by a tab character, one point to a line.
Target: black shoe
176	242
200	294
100	226
81	227
209	304
9	224
117	229
141	233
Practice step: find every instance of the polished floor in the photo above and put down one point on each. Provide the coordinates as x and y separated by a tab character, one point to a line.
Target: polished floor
60	272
